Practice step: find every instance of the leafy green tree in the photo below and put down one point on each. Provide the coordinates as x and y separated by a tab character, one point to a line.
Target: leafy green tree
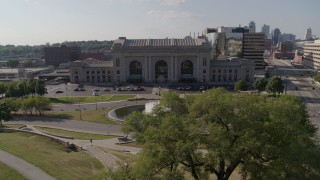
12	63
41	104
14	104
260	84
3	87
218	132
5	113
41	87
317	77
27	63
14	89
275	86
240	86
27	105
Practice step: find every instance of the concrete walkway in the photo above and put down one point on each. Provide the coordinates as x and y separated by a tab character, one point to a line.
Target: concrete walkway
107	159
27	170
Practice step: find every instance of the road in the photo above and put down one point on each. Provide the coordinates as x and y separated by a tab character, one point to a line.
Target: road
302	87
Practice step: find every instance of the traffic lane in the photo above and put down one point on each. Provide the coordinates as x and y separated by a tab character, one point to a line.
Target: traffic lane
66	124
90	106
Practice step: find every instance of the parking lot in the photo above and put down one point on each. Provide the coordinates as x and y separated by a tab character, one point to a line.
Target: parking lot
70	90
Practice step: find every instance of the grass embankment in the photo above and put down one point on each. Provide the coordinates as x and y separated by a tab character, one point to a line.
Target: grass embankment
7	172
126	157
90	99
51	156
75	135
96	116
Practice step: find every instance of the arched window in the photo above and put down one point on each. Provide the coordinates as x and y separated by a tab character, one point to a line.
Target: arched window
135	68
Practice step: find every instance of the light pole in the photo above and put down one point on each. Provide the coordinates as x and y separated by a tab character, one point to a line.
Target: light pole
95	98
80	111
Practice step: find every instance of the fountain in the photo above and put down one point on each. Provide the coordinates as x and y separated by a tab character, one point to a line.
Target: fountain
121	113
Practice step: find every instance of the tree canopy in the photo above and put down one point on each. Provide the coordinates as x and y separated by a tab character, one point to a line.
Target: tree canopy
275	85
218	132
12	63
240	86
260	84
5	112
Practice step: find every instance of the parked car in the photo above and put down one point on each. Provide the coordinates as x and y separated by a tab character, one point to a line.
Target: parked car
106	89
59	91
96	93
188	88
96	90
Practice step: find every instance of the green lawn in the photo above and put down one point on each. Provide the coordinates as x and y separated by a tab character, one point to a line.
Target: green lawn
75	135
52	157
90	99
126	157
97	116
7	172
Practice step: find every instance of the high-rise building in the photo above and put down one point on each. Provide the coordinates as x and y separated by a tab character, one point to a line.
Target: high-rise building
253	48
265	29
275	36
252	26
309	34
63	54
287	37
311	56
237	42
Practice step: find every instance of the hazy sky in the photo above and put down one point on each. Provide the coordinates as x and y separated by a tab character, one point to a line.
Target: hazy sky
35	22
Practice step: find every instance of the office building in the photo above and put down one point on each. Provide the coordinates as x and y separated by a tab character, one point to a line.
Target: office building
287	37
275	36
311	55
253	48
237	42
308	35
252	26
265	29
63	54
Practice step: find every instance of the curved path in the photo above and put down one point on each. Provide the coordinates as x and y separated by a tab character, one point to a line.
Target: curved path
66	124
27	170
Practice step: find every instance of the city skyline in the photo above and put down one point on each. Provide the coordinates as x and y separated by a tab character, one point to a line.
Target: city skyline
34	22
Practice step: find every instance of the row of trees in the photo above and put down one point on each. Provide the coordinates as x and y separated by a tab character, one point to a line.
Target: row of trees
218	132
274	85
12	63
30	105
23	88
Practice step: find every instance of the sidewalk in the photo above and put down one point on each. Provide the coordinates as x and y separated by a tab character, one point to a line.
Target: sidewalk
107	159
26	169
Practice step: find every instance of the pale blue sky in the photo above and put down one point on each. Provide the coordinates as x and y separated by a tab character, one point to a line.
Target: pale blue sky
36	22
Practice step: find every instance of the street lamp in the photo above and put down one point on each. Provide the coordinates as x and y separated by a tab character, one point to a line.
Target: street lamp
80	111
95	98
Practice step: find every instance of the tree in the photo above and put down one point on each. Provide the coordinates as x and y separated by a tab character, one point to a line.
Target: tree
275	86
240	86
41	104
260	84
317	77
12	63
218	132
41	87
5	113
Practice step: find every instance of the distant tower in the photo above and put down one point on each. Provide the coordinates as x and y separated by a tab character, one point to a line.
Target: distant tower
252	26
309	34
265	29
275	36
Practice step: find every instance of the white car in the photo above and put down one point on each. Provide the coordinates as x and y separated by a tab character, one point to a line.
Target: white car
95	93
